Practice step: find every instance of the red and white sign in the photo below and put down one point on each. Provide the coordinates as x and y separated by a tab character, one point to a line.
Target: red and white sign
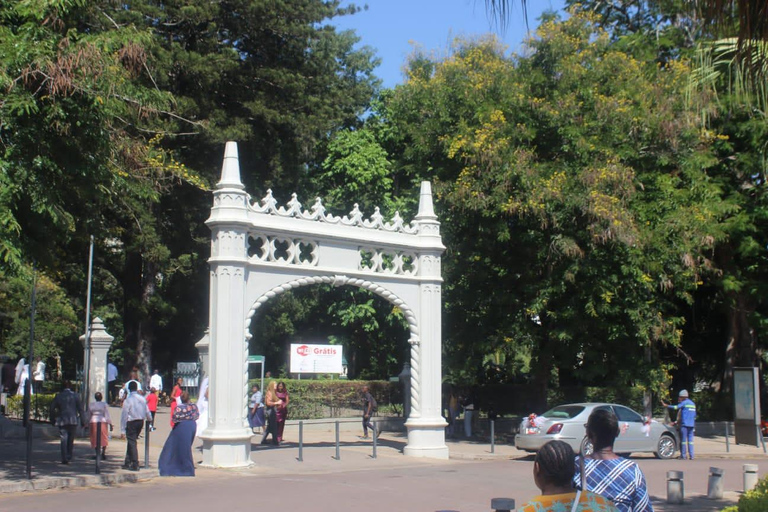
306	358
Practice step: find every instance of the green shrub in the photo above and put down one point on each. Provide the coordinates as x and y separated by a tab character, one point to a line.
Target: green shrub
39	406
314	399
523	399
713	406
755	500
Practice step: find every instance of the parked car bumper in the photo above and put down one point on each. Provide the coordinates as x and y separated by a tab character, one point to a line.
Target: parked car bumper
532	443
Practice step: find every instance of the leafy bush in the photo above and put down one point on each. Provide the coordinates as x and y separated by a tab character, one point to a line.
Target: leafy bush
713	406
522	399
39	406
755	500
314	399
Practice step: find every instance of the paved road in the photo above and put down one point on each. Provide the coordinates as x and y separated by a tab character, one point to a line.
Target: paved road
278	481
372	486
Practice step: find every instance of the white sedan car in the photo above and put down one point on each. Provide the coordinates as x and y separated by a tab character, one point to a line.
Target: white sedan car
567	423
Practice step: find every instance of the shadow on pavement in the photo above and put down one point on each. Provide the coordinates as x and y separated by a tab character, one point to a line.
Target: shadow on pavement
696	503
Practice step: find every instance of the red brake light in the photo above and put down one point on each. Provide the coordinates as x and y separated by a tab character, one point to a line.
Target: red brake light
555	429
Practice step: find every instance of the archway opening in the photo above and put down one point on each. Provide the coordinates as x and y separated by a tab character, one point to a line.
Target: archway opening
372	331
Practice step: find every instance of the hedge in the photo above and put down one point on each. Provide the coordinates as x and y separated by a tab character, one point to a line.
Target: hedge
522	399
39	406
314	399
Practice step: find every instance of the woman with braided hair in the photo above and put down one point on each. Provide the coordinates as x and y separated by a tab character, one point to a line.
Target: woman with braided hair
553	472
616	478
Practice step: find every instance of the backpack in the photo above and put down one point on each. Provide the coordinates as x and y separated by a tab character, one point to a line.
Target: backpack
374	405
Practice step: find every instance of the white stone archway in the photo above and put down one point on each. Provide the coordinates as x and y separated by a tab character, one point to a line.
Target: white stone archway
260	250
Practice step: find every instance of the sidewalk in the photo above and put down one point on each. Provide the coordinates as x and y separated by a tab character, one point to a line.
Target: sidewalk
319	454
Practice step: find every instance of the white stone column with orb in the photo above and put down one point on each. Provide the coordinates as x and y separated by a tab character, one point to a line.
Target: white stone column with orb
100	343
203	353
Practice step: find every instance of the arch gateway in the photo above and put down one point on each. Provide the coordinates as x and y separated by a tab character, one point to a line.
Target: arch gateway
261	250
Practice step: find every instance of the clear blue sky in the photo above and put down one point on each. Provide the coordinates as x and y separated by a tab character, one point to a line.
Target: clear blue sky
393	27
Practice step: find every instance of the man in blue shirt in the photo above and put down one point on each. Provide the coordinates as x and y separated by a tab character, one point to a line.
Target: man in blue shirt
686	422
135	413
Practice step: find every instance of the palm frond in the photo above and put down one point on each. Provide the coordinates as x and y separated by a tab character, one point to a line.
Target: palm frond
732	66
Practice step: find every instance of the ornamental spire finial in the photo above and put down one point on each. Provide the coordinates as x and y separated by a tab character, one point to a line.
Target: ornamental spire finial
230	168
426	209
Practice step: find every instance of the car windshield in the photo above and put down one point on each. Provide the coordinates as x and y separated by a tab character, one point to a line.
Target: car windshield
564	411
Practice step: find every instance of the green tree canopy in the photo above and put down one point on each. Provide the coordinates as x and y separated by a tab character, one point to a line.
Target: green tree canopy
573	190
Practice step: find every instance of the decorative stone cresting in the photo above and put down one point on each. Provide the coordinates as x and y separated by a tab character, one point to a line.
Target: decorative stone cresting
388	262
361	283
317	213
263	248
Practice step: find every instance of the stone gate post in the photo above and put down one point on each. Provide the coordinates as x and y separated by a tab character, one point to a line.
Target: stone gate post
226	440
97	359
426	426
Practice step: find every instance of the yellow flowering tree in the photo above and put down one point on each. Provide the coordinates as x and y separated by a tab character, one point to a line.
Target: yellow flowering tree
573	189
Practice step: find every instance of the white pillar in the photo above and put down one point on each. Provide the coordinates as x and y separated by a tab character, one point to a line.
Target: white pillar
226	440
100	343
426	425
203	352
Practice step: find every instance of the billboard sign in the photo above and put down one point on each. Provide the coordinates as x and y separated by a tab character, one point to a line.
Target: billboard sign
746	394
306	358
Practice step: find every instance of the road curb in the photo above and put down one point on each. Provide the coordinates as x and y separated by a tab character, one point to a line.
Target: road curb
475	456
68	482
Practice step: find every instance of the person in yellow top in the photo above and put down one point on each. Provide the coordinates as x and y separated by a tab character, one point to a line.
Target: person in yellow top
553	472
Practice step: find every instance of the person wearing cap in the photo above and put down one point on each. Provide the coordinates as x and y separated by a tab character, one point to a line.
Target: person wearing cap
686	422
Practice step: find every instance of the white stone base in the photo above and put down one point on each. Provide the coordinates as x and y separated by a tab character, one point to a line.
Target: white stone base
426	438
226	450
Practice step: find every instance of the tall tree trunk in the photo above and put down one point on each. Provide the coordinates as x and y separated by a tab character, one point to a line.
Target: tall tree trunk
131	283
647	395
741	349
146	332
543	369
138	288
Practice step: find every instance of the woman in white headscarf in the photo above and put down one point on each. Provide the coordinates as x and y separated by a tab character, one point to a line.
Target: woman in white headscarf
202	406
19	370
23	378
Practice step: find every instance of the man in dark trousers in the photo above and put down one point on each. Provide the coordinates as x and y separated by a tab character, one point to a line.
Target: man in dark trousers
135	412
369	405
66	413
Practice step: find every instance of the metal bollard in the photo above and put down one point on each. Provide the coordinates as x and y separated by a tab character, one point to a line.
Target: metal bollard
493	438
98	447
146	444
502	504
675	487
715	483
727	441
375	437
750	476
338	453
301	441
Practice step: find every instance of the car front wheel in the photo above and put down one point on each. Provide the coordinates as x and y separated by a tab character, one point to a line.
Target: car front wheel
665	448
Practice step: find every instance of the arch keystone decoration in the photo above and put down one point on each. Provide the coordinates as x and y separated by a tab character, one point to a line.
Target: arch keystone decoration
261	250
